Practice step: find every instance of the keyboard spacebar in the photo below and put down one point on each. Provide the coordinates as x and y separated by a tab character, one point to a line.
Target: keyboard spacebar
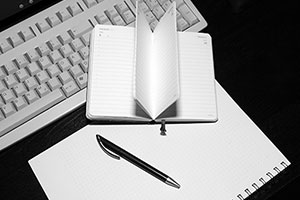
31	111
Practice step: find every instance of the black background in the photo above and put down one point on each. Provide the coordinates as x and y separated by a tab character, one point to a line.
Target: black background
256	56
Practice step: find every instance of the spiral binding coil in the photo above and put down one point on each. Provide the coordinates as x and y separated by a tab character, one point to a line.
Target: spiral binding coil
262	181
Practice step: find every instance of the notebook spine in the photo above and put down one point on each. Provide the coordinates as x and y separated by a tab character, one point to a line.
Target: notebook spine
261	181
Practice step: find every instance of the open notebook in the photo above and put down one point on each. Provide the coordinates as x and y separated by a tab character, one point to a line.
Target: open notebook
139	75
228	159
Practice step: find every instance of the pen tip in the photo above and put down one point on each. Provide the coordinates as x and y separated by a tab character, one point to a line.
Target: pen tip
172	183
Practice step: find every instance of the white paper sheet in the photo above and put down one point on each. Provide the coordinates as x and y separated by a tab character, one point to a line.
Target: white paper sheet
209	160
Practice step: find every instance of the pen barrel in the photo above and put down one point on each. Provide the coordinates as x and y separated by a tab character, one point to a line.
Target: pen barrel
134	160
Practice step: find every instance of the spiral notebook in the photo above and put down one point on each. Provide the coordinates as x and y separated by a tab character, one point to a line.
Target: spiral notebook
229	159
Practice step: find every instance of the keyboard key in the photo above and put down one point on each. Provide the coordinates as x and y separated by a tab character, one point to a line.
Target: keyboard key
187	14
80	29
77	44
32	55
27	34
19	89
10	68
111	13
31	111
8	110
55	56
182	24
63	15
19	103
30	83
42	77
2	88
33	68
74	9
153	24
22	74
21	61
150	17
15	40
8	96
10	81
84	52
90	3
128	16
66	50
85	38
53	20
166	5
43	49
70	88
102	19
82	80
44	62
76	71
151	3
64	77
64	64
53	70
42	26
158	12
54	83
121	7
75	58
5	46
31	96
54	44
118	21
143	7
64	38
42	90
84	65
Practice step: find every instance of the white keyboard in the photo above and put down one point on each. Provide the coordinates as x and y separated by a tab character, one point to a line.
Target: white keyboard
44	59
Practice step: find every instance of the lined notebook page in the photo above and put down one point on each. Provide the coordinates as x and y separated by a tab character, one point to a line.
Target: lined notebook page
210	161
197	95
110	75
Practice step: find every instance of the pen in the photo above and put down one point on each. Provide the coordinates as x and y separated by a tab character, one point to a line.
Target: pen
105	144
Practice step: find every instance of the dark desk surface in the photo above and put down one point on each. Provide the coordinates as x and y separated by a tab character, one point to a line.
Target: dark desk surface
256	56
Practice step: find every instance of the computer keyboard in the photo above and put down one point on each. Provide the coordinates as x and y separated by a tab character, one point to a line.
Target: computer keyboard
44	59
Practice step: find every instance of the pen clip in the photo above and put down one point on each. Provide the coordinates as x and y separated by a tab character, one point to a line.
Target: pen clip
105	150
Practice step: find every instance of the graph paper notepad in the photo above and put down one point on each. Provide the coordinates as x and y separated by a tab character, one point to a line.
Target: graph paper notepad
228	159
139	75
